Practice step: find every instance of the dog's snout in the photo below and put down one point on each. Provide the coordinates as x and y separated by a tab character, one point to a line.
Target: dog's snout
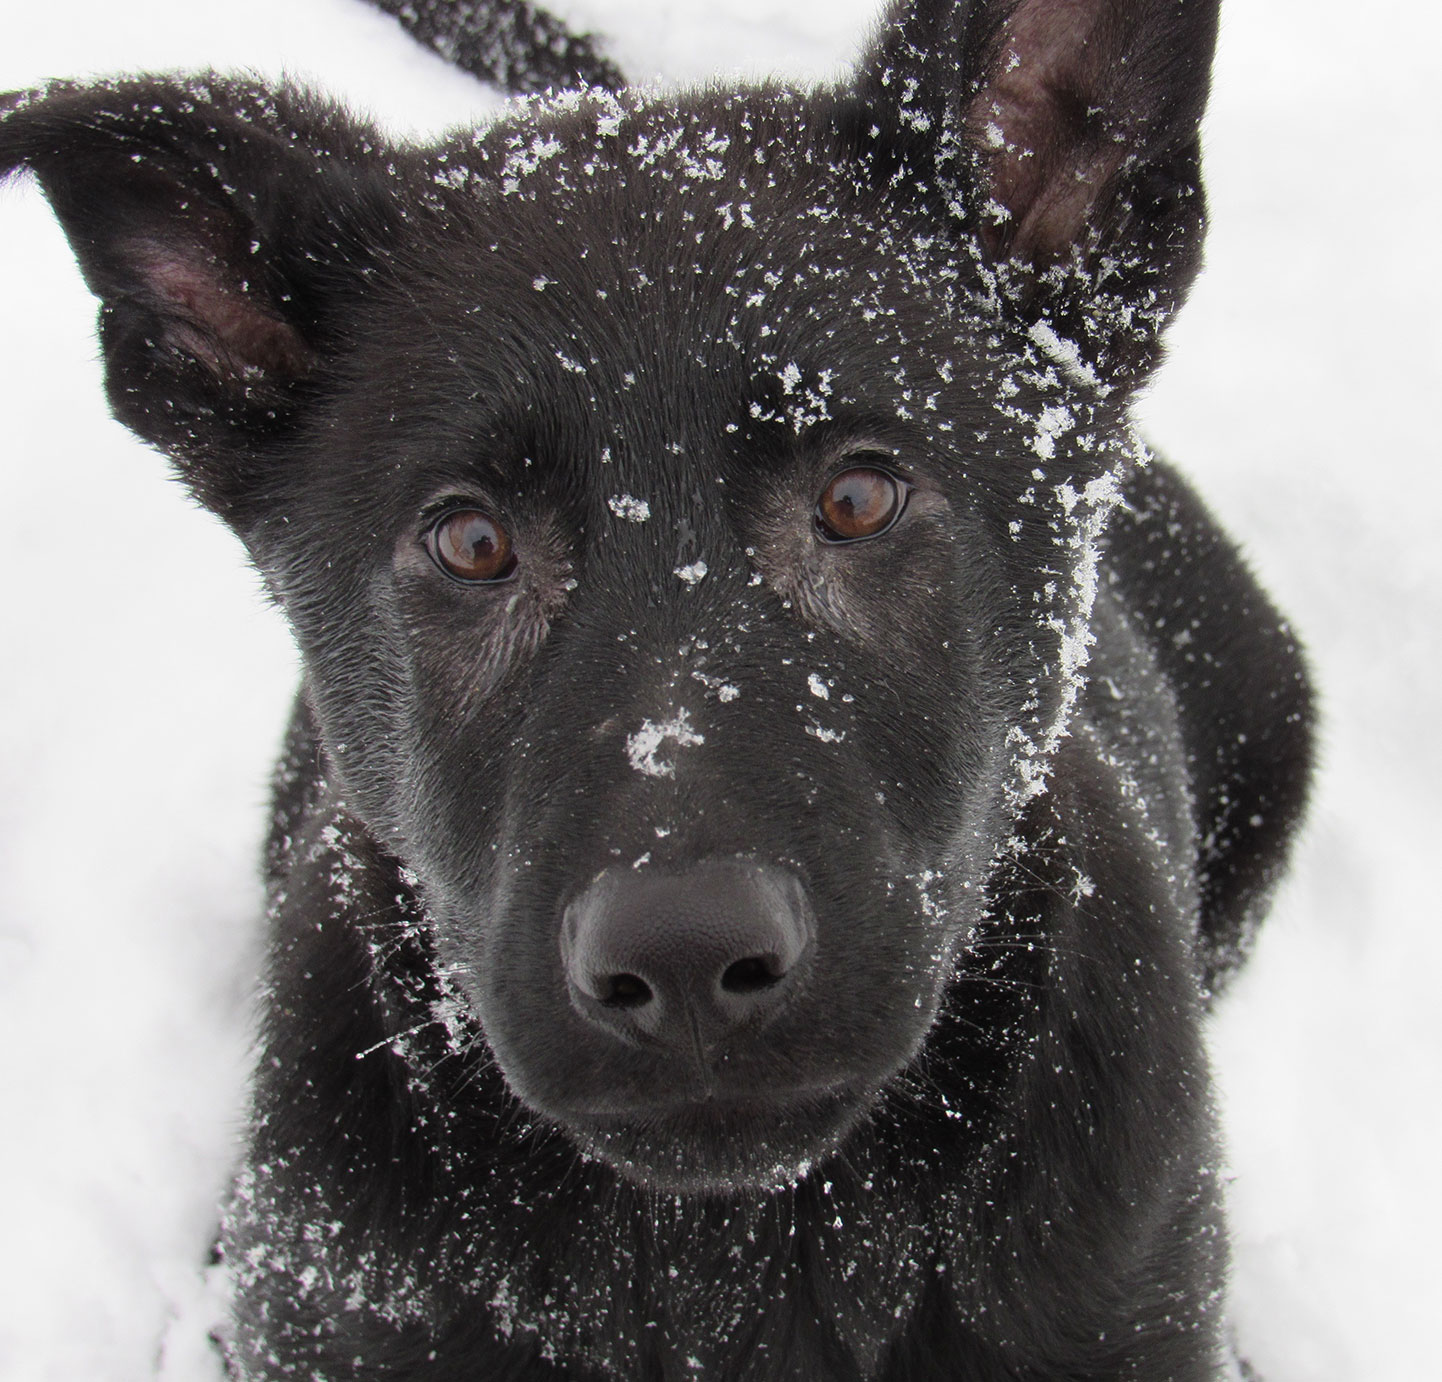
688	956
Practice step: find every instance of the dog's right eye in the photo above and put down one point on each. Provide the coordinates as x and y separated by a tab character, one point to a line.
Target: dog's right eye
470	546
860	502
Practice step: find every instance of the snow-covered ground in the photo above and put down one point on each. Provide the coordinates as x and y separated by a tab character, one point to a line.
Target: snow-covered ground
143	683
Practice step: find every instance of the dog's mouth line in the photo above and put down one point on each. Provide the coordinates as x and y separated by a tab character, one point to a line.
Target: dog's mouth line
713	1106
724	1145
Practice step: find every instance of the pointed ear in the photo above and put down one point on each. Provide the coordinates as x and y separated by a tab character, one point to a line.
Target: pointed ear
1064	135
214	220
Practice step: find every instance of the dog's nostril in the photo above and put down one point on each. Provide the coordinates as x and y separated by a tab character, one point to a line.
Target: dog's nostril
625	991
752	974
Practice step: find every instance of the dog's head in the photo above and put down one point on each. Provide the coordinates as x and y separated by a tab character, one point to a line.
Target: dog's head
686	507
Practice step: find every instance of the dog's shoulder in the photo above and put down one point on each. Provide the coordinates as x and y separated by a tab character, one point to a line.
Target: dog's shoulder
1243	697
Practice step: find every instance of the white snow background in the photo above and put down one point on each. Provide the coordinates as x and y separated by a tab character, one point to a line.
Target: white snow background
143	683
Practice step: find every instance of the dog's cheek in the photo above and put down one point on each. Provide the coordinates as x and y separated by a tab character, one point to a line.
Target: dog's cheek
460	659
911	613
465	654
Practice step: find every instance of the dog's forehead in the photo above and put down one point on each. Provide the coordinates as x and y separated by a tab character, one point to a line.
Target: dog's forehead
603	289
661	228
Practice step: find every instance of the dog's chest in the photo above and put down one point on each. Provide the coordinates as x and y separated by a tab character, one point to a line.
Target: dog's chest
766	1288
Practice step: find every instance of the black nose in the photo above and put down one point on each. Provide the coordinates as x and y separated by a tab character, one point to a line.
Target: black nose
687	957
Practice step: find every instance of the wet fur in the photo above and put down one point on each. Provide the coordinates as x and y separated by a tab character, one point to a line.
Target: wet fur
977	1142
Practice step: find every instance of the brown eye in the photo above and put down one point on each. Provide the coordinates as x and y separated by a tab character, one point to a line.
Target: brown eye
859	503
470	546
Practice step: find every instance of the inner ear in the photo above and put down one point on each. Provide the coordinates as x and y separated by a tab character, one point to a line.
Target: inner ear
1062	138
185	251
211	314
1049	143
191	273
224	227
1084	115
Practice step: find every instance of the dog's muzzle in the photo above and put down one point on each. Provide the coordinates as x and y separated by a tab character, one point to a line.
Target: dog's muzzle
685	960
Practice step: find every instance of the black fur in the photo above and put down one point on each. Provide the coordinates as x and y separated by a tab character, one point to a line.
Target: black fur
1000	790
511	43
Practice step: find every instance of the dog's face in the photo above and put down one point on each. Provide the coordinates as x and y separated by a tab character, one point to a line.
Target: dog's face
674	513
687	516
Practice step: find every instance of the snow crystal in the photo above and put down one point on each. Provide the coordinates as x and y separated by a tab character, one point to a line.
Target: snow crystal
1051	423
612	113
730	214
805	405
725	691
1066	354
630	508
643	748
521	162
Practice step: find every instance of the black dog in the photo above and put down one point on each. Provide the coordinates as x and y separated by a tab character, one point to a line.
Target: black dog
777	776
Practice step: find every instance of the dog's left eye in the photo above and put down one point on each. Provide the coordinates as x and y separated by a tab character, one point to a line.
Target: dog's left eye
470	546
860	502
